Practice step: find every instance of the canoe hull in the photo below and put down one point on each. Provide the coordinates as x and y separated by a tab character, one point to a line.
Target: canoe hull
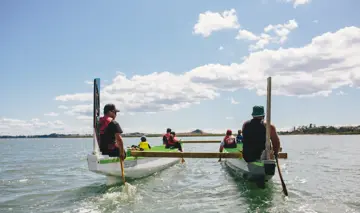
134	169
258	171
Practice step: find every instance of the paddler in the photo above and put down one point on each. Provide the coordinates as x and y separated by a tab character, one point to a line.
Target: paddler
144	145
166	136
229	141
111	142
239	136
254	136
173	142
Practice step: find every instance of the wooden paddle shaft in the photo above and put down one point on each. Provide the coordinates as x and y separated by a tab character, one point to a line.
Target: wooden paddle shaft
268	116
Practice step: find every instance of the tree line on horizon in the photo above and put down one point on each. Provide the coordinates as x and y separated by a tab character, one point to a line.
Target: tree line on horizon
330	130
305	129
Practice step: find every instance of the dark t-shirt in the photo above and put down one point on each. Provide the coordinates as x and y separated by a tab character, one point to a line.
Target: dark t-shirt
108	139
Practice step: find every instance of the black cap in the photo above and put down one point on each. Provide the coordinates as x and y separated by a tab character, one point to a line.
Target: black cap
110	107
168	130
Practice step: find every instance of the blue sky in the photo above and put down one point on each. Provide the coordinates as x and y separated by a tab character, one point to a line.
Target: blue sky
203	54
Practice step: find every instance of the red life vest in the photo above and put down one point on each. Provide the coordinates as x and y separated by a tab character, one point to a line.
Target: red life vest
167	136
229	141
172	141
104	122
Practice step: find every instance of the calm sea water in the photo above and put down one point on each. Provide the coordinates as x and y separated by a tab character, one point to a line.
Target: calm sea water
50	175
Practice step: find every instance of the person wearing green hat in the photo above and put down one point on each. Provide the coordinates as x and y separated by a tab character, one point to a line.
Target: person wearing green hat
254	136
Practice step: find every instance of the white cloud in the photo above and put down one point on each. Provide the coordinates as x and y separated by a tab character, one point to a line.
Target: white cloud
221	48
233	101
89	82
84	117
63	107
280	31
150	113
330	61
296	3
209	22
10	126
229	118
341	93
247	35
148	93
53	114
316	21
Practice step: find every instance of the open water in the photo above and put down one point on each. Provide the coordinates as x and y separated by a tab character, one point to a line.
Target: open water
50	175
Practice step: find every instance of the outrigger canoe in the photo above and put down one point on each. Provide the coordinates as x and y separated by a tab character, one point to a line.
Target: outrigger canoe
259	171
134	167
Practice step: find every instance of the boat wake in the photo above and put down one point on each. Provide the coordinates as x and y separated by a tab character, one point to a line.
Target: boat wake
129	191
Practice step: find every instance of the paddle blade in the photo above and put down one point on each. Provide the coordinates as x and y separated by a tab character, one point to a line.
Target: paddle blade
122	170
281	178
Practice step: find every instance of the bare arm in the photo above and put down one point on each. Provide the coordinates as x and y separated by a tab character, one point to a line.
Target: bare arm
275	140
119	142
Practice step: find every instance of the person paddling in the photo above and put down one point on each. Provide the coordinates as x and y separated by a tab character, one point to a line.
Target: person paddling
254	136
111	142
229	141
144	145
166	136
239	137
173	142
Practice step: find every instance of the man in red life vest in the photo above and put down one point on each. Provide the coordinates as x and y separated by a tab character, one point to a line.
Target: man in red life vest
166	136
111	142
173	142
229	141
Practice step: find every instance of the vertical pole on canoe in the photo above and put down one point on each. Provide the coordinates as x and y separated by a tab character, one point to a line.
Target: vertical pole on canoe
268	118
96	116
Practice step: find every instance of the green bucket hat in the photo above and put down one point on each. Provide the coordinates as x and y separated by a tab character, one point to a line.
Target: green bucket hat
258	111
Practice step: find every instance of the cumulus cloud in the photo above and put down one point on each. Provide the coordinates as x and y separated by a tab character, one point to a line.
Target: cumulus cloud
233	101
53	114
280	35
210	22
148	93
328	62
10	126
296	3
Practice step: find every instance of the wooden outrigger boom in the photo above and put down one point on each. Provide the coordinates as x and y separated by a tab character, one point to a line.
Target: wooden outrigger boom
209	141
193	154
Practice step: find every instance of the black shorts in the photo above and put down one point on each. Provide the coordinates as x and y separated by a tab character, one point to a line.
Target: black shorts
115	152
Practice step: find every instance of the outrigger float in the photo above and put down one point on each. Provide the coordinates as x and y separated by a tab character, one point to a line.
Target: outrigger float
140	164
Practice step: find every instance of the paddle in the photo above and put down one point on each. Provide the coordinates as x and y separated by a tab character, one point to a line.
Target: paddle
268	129
182	158
281	178
122	168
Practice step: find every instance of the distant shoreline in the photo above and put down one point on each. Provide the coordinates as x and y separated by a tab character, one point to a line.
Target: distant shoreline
311	129
160	135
